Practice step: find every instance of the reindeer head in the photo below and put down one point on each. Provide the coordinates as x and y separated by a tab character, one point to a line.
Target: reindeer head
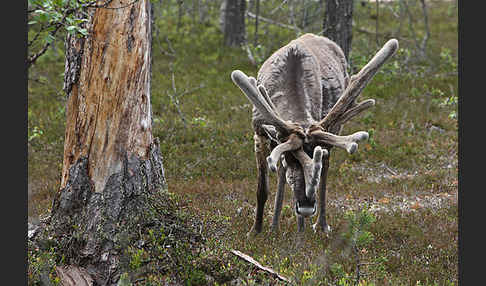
302	147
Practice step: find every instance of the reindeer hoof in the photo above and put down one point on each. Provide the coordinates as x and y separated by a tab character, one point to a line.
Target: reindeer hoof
275	229
252	233
325	229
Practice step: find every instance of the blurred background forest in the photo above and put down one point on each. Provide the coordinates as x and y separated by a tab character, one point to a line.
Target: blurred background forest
392	205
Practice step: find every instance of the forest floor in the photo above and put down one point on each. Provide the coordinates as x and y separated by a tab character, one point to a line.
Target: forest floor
392	205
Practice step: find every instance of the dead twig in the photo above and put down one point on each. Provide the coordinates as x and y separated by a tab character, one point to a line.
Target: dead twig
426	37
174	96
170	45
277	8
269	21
250	55
421	47
258	265
167	53
174	100
389	169
192	90
382	35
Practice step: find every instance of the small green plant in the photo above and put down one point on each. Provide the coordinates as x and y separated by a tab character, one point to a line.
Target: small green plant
195	277
36	132
124	280
451	101
309	275
259	53
42	266
447	60
341	277
358	225
200	121
378	267
371	138
137	257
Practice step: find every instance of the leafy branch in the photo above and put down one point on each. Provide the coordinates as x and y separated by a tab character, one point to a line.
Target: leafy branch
47	18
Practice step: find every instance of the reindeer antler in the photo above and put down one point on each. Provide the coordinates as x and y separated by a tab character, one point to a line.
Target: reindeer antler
346	108
312	168
262	102
293	143
356	85
346	142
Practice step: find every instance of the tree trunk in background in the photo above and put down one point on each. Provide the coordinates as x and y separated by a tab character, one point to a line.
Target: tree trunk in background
257	13
232	21
337	25
111	163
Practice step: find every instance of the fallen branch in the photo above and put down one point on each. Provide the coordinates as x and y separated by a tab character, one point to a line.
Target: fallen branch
258	265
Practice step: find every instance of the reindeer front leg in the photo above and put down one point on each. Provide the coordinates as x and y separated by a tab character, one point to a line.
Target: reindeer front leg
300	223
279	196
321	224
261	153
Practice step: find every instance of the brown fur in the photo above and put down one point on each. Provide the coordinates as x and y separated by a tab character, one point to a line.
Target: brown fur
303	79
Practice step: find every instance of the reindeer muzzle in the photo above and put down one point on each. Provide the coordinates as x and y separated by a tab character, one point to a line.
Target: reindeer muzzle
305	209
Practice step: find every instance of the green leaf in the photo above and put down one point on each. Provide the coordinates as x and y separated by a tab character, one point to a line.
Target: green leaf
49	38
32	22
50	28
41	16
83	31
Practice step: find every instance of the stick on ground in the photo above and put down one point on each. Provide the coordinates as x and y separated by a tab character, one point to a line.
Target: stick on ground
258	265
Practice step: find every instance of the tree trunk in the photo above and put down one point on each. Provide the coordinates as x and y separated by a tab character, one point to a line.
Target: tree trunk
337	25
232	21
257	14
111	163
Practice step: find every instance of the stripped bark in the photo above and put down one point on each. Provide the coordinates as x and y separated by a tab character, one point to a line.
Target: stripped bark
112	165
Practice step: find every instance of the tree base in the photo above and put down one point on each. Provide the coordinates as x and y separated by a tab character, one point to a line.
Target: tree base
102	232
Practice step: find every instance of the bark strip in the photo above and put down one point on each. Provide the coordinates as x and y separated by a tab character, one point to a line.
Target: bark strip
108	85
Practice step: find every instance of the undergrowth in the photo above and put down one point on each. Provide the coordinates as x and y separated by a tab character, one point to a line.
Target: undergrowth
204	126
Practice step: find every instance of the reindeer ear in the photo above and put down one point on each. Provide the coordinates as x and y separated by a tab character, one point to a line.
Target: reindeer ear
271	132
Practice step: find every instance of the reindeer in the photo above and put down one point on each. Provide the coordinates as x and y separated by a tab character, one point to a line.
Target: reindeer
301	98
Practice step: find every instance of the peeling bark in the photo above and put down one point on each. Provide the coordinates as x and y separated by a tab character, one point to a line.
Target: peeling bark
112	166
108	108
